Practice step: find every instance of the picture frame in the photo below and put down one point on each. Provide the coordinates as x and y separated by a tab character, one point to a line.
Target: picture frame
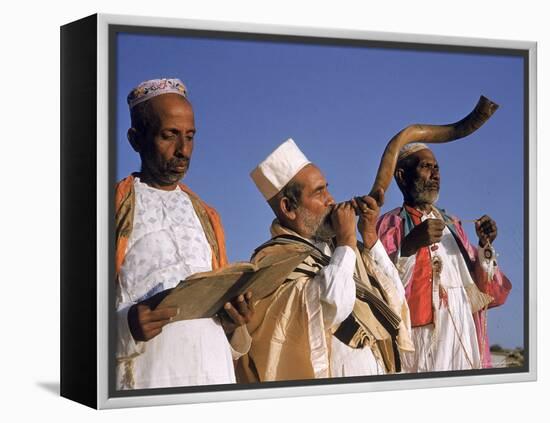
90	80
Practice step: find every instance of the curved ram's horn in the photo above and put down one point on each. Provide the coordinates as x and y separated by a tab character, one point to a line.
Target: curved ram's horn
430	134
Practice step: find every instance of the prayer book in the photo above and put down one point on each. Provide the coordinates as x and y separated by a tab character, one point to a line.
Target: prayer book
204	294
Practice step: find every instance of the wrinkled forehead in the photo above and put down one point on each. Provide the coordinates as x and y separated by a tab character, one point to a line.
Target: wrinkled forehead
168	105
418	157
310	178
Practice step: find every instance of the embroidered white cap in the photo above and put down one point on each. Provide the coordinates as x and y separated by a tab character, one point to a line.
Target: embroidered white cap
154	87
271	175
409	149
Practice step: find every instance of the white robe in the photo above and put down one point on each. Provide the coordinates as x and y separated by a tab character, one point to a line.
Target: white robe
166	245
344	360
451	342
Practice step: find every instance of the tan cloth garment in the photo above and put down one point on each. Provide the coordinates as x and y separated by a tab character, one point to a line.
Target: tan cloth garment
290	340
392	298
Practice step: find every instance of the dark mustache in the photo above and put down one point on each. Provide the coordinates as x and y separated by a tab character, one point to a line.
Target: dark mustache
179	162
431	185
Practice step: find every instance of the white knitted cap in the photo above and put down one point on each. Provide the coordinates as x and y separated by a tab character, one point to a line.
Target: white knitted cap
154	87
411	148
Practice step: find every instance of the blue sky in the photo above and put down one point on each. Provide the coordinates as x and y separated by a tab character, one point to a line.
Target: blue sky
341	105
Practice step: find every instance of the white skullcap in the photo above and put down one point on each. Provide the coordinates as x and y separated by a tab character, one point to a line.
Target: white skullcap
411	148
153	87
279	168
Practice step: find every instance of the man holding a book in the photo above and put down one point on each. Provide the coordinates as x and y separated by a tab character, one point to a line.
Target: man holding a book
164	233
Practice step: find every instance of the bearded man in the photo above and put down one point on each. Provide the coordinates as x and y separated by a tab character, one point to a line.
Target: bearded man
449	282
164	233
342	312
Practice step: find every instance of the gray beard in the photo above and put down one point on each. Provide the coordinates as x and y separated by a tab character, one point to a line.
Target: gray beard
324	232
321	228
421	194
160	175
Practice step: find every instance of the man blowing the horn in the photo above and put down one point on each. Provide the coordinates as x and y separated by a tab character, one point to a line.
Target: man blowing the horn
449	283
342	312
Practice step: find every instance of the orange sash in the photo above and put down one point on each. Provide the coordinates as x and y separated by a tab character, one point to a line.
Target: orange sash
419	289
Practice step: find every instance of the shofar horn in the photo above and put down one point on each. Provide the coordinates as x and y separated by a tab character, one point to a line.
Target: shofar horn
429	134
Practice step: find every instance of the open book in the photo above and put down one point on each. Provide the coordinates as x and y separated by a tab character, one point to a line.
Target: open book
204	294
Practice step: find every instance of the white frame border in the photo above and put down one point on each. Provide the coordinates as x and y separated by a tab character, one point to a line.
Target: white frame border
103	401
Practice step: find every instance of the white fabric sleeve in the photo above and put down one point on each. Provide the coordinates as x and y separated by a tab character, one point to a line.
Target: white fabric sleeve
336	286
382	260
127	346
240	342
405	267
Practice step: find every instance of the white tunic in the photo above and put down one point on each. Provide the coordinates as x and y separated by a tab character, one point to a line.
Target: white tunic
337	304
451	342
166	245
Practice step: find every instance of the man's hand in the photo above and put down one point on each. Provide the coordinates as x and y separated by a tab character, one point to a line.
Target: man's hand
486	230
343	223
145	321
237	313
368	209
426	233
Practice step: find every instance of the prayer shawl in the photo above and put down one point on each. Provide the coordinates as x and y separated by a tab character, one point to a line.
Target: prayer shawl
124	221
290	340
396	225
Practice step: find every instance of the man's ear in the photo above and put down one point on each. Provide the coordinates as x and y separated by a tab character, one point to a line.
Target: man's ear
400	177
135	139
286	209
